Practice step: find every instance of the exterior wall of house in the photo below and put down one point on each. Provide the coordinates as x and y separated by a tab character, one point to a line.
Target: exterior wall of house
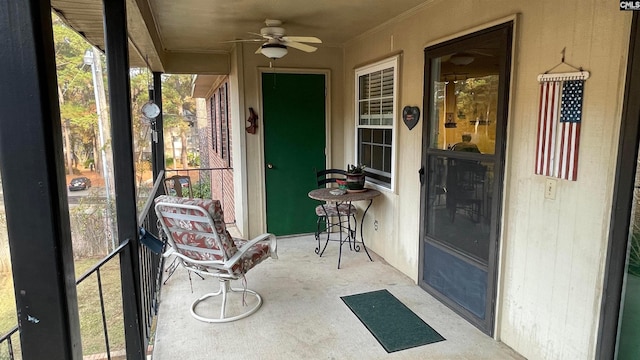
219	153
204	129
212	154
324	58
552	251
238	140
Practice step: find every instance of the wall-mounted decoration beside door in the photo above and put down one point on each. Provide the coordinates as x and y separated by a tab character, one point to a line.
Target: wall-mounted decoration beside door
559	118
410	116
253	121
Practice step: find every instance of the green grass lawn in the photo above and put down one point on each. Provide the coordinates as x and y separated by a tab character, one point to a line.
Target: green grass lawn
91	327
7	304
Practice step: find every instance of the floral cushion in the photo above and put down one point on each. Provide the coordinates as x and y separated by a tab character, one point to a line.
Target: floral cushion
251	257
195	239
191	236
330	210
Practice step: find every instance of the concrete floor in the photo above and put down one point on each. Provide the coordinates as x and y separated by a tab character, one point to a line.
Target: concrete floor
303	317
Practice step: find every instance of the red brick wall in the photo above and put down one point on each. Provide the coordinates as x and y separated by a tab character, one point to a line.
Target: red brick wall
219	152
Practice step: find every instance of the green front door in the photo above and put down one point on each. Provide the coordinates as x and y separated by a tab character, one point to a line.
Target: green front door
294	148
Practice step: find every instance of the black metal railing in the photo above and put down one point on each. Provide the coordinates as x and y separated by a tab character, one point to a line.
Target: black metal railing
151	264
150	282
8	340
11	351
211	183
96	270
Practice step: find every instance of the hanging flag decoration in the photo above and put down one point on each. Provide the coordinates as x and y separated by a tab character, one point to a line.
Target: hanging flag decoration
559	119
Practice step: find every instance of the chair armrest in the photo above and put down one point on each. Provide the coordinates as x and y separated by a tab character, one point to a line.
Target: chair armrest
273	248
211	263
170	251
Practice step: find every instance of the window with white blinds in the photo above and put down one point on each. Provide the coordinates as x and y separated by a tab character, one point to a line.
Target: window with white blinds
375	122
376	98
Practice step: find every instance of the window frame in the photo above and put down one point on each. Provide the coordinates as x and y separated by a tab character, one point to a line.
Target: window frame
394	63
224	124
214	121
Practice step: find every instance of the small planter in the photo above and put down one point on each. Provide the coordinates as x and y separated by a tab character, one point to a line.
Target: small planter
355	181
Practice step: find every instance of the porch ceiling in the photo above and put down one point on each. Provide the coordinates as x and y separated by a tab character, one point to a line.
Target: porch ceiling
165	32
85	16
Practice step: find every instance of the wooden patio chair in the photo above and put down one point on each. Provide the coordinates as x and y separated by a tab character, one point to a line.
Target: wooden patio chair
178	185
197	235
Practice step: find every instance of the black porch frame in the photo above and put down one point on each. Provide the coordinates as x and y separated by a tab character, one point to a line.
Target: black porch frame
622	202
34	182
37	215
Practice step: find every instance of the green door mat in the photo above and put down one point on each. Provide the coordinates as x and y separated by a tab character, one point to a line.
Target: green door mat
390	321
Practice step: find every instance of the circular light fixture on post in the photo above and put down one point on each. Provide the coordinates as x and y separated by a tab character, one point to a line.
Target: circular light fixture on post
274	51
150	110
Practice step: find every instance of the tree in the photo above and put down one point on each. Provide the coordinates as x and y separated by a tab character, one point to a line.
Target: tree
140	80
75	89
178	105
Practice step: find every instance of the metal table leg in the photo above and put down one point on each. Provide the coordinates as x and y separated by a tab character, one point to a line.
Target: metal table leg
351	233
356	246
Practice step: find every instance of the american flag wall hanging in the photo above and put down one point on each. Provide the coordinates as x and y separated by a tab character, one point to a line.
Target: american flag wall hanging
559	118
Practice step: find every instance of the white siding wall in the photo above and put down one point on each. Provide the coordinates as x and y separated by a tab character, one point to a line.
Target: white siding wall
553	251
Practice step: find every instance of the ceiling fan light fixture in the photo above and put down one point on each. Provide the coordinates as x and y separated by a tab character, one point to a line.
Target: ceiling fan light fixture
461	59
274	51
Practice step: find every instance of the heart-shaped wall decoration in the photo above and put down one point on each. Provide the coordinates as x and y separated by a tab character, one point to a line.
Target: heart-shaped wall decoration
410	116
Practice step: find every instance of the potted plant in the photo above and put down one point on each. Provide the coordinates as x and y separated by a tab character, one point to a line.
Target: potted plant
355	177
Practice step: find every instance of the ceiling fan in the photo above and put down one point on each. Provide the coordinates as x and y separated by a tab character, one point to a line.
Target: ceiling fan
277	42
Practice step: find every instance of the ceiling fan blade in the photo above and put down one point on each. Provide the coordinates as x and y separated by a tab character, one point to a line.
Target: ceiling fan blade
306	39
300	46
259	51
242	40
258	35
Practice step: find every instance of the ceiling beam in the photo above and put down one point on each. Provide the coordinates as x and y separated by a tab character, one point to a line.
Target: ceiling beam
197	63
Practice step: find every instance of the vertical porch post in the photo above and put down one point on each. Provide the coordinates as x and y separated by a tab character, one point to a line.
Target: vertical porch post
116	40
157	149
32	166
157	142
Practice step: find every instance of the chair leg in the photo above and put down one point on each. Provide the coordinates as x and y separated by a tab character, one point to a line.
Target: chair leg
225	289
318	232
327	241
171	269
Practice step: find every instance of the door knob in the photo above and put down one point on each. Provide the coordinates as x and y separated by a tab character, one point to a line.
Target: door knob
270	165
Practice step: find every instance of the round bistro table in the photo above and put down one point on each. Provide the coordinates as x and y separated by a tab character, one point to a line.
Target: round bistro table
325	195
